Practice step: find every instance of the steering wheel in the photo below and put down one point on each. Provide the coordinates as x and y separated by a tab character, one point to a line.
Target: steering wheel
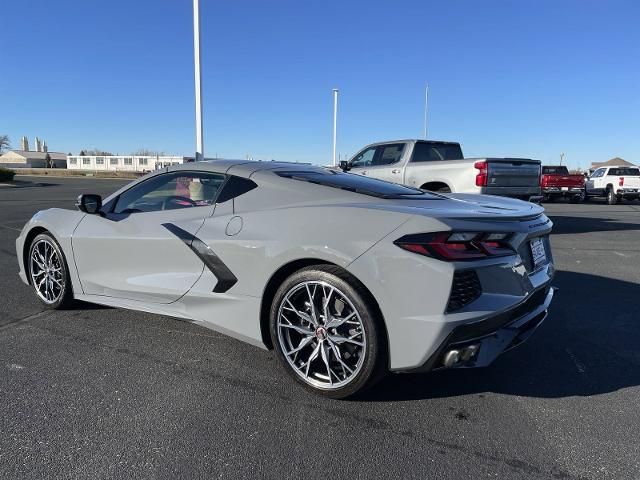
175	199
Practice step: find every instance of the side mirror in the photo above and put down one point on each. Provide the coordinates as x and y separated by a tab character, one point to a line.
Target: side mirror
345	166
89	203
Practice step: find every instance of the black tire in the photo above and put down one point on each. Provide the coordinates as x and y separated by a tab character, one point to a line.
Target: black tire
371	359
444	190
578	198
64	298
612	198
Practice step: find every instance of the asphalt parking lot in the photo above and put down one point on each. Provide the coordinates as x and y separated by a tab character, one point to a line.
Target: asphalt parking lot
106	393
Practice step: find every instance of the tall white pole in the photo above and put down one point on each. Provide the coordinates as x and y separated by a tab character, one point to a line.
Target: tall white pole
335	124
198	79
426	106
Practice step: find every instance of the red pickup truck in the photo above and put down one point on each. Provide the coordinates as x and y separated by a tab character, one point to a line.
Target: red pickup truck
556	182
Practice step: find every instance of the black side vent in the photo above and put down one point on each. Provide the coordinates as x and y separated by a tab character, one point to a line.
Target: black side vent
465	289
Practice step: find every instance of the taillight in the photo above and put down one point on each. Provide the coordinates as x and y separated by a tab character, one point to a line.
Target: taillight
457	246
621	182
481	177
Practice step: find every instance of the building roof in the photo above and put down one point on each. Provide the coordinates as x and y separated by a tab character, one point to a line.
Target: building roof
614	162
29	155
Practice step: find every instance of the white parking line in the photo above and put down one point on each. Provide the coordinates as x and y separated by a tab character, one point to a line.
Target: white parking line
11	228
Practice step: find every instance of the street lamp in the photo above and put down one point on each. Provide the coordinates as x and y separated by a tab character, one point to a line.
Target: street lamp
426	105
198	79
335	123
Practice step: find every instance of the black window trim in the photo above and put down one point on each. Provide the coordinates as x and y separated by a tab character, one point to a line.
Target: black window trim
109	207
301	175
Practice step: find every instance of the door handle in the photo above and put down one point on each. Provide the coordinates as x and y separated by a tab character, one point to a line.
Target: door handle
395	170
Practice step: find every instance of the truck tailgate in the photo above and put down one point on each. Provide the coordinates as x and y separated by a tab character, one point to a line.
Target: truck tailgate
630	182
562	180
513	172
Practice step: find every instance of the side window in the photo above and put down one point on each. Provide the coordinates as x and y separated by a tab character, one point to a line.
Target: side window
388	154
598	173
171	191
364	158
423	152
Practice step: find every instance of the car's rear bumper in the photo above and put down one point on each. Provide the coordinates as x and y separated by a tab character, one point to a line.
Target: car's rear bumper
516	192
628	192
562	191
491	337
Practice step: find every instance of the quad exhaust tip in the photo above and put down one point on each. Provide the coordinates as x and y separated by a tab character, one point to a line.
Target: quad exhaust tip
458	356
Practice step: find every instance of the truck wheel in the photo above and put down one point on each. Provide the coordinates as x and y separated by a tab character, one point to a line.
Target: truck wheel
579	198
612	198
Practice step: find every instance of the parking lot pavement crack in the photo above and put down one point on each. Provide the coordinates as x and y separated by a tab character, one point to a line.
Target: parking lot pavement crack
345	416
19	321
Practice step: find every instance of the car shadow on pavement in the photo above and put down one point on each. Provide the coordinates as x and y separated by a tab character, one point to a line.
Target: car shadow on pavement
29	184
80	305
587	346
563	225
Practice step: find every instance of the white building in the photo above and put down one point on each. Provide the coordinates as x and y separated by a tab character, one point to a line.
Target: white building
123	162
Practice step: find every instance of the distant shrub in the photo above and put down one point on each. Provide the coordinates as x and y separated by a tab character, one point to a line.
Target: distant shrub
6	175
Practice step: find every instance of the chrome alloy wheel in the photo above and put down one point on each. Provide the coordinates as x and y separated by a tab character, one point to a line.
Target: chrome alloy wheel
321	334
47	273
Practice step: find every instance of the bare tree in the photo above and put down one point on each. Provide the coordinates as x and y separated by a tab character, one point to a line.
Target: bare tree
143	152
93	152
5	143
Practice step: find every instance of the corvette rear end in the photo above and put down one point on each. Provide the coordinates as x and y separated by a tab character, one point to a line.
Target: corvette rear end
470	288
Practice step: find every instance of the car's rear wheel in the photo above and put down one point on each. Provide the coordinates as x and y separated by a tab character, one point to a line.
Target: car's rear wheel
48	272
326	333
612	198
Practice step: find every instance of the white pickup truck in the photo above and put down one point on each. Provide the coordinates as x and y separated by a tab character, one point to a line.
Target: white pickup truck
614	183
441	167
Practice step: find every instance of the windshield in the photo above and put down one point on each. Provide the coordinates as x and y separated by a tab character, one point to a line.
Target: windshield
357	184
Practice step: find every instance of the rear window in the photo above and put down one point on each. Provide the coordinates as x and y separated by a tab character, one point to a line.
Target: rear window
620	172
435	151
554	170
356	183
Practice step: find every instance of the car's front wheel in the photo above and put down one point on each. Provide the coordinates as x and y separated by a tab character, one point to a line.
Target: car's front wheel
326	332
48	272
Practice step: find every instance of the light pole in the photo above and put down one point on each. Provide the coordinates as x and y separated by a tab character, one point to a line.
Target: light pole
198	79
335	123
561	158
426	105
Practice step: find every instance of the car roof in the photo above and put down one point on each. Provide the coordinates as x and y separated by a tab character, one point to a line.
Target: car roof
243	168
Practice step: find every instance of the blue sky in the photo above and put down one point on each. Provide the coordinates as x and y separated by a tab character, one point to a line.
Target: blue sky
506	78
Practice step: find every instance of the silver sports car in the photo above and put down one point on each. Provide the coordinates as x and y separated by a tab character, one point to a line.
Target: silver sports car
346	277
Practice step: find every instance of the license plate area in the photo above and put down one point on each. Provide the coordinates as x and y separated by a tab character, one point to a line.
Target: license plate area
538	252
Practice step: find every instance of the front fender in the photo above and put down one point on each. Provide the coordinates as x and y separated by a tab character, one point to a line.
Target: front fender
61	224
